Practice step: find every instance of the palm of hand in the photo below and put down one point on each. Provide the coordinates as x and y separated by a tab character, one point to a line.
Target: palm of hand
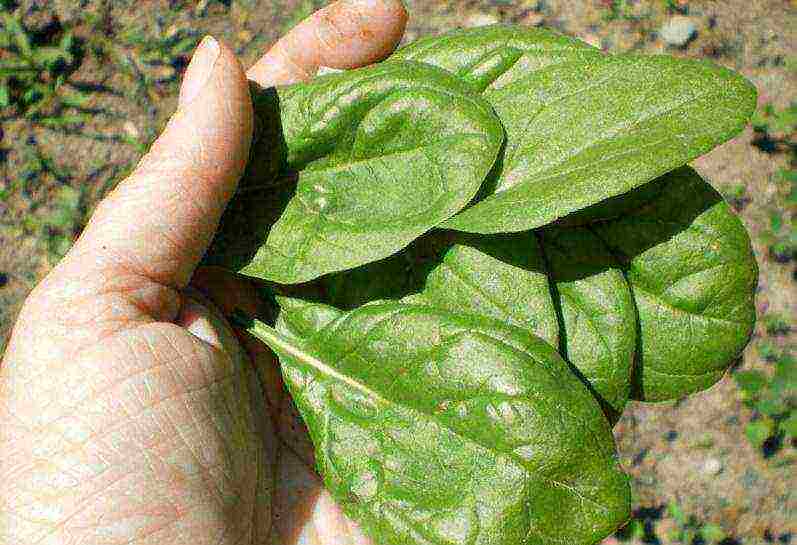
203	449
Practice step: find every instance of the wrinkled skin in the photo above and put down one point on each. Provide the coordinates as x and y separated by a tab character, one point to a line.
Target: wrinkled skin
129	411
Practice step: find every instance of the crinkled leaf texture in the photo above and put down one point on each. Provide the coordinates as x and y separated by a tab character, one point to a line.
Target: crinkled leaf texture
572	295
582	127
371	159
691	268
655	304
503	277
596	313
436	428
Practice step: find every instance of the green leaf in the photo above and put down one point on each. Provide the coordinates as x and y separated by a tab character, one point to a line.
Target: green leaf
789	426
771	407
75	99
751	382
496	56
506	277
49	56
63	120
758	432
686	258
596	311
677	513
374	157
585	127
502	277
5	96
785	378
692	272
436	428
775	221
712	533
18	34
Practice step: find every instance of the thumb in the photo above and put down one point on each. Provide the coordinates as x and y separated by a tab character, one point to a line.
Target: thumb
160	220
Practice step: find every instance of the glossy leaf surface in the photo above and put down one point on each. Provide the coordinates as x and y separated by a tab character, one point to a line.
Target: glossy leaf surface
370	160
691	269
498	55
596	311
502	277
433	428
582	127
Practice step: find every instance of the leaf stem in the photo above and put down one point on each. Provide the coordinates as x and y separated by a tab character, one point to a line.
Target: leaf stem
289	347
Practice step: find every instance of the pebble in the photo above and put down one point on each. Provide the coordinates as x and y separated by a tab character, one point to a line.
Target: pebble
712	466
131	129
481	19
323	70
678	31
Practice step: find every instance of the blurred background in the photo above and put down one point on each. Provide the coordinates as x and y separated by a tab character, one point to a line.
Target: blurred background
86	85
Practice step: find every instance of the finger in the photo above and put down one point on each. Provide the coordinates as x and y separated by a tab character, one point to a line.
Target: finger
230	293
203	319
346	34
160	220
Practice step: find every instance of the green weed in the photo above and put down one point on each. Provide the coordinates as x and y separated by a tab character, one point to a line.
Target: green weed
689	530
776	324
772	121
625	10
780	236
676	6
772	398
34	75
737	196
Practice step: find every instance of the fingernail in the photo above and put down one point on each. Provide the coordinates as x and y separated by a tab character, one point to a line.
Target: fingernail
199	70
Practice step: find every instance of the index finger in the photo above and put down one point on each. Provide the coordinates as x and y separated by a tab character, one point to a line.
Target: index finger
345	34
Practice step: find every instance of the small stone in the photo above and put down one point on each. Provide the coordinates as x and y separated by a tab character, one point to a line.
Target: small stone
131	129
712	466
481	19
324	70
678	31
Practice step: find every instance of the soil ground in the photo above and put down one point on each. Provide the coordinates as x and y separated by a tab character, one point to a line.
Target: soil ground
693	454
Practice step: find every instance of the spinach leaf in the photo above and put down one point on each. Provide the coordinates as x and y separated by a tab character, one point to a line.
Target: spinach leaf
497	55
370	160
596	313
583	127
671	327
691	269
436	428
502	277
578	301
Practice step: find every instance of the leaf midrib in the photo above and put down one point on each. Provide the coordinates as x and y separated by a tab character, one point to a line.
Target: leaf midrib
282	342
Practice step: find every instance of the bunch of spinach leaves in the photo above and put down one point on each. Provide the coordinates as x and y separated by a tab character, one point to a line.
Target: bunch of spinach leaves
491	243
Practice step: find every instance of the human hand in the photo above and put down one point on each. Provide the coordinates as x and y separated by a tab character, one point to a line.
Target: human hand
129	412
